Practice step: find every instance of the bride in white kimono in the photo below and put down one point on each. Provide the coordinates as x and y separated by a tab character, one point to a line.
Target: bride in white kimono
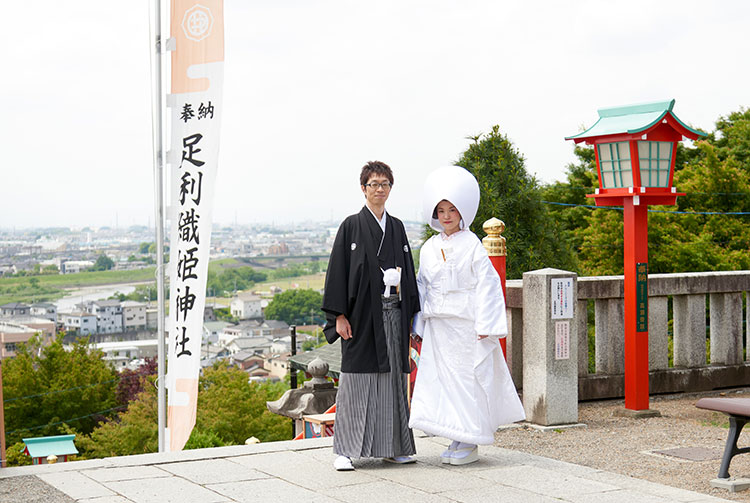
463	390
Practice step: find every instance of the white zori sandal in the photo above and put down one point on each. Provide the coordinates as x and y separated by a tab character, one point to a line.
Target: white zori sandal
465	455
343	464
447	454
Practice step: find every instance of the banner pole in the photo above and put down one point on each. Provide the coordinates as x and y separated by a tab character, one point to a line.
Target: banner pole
158	151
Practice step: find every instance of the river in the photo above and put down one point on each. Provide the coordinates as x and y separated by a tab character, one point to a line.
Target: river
98	292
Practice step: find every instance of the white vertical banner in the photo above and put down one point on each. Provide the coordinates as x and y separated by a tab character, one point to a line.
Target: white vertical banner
197	27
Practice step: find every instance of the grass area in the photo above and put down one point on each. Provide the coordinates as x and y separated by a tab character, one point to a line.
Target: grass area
51	287
313	281
218	266
47	288
82	278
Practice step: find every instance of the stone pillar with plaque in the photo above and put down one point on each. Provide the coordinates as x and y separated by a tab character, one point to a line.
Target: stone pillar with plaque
550	347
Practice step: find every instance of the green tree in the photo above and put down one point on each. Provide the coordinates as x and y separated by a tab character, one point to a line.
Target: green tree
230	410
509	193
134	431
46	387
231	280
50	269
715	175
103	263
295	306
235	409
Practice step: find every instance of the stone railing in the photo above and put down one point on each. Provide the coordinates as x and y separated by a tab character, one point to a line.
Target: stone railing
700	307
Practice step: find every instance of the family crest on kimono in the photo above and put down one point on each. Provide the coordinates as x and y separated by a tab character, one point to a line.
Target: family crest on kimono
463	389
370	299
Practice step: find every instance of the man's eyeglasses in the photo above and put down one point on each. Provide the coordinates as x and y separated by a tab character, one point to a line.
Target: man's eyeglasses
384	185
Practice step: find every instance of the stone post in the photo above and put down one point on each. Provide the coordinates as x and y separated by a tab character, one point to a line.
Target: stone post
550	348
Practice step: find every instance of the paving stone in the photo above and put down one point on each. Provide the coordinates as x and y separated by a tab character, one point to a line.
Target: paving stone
429	478
303	470
381	491
106	499
268	490
620	496
125	473
212	471
547	482
497	494
75	485
165	490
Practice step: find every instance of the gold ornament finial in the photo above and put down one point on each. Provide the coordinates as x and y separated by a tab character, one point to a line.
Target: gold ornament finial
493	242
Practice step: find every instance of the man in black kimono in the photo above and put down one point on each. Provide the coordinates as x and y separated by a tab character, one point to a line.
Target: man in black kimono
370	299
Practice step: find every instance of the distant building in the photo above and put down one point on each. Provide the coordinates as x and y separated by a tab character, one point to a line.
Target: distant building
209	314
44	310
278	249
15	330
133	315
242	329
15	309
248	360
152	318
120	353
12	334
278	365
274	328
82	322
108	316
255	345
7	269
75	266
246	306
282	344
212	330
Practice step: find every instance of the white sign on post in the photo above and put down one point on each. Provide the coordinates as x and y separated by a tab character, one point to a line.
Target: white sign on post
562	298
562	340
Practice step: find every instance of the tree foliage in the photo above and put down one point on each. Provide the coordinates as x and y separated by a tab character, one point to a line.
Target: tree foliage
235	409
103	263
509	193
46	387
230	410
231	280
714	174
295	306
132	382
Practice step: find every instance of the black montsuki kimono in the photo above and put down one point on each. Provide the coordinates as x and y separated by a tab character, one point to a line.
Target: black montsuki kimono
354	285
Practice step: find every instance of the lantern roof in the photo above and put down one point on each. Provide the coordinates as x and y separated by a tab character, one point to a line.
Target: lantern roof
636	119
59	445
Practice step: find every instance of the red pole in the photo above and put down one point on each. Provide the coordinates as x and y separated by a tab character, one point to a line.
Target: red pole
494	243
636	304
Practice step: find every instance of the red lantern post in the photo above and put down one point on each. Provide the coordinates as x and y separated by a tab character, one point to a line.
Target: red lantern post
635	157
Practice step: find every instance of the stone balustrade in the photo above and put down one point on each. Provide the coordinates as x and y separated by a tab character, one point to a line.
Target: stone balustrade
701	306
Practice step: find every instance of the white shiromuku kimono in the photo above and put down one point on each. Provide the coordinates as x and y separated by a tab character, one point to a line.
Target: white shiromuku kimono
463	390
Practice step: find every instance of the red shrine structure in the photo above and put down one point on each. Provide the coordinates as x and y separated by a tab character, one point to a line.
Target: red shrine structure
635	157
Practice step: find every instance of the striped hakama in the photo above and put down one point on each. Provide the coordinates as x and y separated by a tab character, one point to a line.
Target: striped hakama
372	411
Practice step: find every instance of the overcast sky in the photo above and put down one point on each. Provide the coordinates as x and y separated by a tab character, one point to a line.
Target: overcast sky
314	89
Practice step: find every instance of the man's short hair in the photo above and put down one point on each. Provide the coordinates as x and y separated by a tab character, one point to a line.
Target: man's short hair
375	168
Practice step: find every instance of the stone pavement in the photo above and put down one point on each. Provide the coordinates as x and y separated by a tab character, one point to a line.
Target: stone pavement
301	471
